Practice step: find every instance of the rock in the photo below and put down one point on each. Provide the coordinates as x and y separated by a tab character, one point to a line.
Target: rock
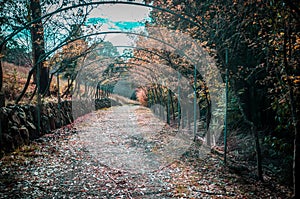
69	118
52	123
28	112
18	122
18	141
24	134
57	120
30	125
7	142
13	130
22	115
15	119
2	99
45	126
4	113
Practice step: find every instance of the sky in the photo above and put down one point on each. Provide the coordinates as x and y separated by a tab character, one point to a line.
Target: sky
120	18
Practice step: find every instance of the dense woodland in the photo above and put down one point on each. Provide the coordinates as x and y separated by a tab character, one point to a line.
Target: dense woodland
256	45
262	38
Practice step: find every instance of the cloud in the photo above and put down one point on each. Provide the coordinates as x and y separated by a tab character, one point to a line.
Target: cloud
121	12
118	17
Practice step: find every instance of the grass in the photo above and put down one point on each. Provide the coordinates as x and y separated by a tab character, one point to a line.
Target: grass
14	79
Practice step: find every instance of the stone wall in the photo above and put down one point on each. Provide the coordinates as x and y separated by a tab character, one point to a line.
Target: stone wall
18	123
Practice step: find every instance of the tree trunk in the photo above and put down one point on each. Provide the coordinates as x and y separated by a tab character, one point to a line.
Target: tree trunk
1	73
25	86
38	46
254	133
2	97
253	123
296	124
293	98
172	106
68	91
296	161
168	106
208	118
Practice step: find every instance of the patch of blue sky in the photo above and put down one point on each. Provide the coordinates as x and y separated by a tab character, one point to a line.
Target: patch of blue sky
97	21
128	25
22	38
116	25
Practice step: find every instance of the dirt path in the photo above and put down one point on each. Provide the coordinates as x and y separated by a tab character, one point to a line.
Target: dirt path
121	152
131	138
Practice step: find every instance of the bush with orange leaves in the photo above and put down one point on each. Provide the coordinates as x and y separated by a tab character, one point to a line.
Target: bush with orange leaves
141	95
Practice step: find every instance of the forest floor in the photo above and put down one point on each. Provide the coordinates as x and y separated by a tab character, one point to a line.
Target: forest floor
124	152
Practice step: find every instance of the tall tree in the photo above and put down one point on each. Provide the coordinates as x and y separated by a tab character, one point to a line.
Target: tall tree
2	98
44	35
38	46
